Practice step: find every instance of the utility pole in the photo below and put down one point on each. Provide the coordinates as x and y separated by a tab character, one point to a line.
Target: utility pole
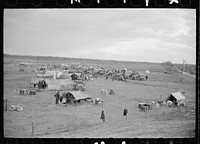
182	66
186	68
181	80
37	62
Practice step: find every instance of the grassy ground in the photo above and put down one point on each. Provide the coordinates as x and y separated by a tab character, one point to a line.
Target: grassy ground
83	120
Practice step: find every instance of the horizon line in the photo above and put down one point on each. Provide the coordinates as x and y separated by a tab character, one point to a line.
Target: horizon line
94	59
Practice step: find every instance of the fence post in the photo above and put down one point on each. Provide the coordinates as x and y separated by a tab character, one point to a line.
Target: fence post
6	103
32	133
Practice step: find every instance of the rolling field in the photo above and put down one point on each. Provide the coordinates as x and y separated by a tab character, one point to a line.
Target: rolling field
83	120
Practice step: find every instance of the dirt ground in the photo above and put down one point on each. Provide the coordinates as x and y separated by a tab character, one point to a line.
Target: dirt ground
83	120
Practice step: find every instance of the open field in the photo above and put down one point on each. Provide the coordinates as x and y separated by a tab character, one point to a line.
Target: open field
83	120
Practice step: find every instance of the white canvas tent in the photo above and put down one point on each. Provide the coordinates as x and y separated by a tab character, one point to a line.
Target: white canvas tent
177	95
75	96
79	95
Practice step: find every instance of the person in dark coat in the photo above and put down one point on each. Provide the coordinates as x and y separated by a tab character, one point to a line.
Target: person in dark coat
103	116
57	96
146	77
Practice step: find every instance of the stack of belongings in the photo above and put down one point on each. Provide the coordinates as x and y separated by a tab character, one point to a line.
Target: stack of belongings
18	108
144	106
27	92
107	92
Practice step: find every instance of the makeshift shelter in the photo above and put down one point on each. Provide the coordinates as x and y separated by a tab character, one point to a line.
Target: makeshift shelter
176	97
60	84
74	97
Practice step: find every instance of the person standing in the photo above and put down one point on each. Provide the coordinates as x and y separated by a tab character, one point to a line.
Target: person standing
106	76
103	116
57	96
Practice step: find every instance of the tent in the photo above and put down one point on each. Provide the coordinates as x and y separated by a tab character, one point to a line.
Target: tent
60	84
74	96
176	97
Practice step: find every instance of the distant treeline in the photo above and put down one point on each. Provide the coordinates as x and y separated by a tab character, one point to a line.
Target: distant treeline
75	59
189	68
131	65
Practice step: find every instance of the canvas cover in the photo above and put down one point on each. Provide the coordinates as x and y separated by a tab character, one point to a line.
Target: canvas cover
178	96
79	95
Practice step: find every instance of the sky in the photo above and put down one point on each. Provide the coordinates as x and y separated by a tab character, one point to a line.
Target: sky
146	35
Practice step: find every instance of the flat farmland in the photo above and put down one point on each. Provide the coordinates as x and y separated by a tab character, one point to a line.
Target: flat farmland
83	120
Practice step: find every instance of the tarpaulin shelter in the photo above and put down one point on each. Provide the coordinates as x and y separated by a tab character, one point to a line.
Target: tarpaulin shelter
74	96
176	97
